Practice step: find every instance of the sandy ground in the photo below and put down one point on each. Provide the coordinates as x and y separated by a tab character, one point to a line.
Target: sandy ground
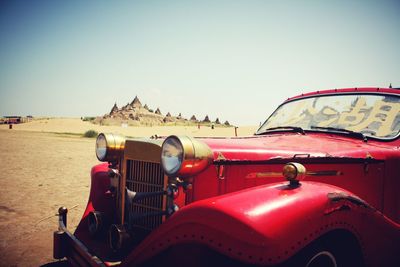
42	168
74	125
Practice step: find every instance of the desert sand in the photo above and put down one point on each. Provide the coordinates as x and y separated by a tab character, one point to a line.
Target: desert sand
45	164
76	126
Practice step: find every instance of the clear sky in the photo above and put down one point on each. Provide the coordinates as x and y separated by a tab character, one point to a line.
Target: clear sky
236	60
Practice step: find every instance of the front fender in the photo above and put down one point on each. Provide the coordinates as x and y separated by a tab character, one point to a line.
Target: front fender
264	225
100	198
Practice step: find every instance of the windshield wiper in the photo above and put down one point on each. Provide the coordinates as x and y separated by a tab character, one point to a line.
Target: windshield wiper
341	130
284	128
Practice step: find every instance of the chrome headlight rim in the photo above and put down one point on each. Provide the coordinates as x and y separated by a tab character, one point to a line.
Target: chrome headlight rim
109	147
196	156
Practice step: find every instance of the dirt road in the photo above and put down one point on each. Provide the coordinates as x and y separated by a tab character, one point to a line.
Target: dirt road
39	173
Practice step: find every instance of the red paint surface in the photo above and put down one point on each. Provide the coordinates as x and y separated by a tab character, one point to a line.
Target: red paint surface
373	90
287	145
271	225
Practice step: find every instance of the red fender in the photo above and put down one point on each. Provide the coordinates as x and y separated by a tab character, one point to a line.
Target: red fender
269	224
100	199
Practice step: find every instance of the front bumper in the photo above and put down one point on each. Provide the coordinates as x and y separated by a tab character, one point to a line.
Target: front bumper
67	245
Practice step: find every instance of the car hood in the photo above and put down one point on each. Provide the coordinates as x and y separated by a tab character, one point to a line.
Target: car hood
294	145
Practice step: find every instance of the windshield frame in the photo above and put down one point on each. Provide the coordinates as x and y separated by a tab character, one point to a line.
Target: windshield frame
328	131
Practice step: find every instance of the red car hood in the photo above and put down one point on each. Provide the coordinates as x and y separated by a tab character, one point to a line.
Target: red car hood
290	145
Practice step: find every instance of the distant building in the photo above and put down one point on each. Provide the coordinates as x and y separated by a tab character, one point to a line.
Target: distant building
114	109
206	119
136	103
193	118
13	119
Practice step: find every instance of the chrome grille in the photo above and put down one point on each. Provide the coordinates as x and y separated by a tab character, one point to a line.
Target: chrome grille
145	177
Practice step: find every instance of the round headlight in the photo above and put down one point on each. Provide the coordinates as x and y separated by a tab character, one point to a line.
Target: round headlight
171	155
101	147
184	156
109	147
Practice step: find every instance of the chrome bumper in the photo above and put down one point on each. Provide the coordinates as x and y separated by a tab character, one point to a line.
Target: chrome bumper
67	245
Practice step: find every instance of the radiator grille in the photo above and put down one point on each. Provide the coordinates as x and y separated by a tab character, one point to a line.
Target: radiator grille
145	177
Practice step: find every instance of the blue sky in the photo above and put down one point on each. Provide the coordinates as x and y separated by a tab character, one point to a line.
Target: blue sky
236	60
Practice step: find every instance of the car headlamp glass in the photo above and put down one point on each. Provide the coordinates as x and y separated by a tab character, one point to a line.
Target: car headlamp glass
101	147
172	155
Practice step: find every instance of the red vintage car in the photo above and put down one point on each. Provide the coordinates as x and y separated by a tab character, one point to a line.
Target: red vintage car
317	185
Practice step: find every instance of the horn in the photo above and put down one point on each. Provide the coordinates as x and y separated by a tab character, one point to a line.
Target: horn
132	196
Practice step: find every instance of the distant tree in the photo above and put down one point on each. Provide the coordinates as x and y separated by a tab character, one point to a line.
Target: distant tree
90	134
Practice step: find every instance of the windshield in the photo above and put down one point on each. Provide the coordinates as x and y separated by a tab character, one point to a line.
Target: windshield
372	115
